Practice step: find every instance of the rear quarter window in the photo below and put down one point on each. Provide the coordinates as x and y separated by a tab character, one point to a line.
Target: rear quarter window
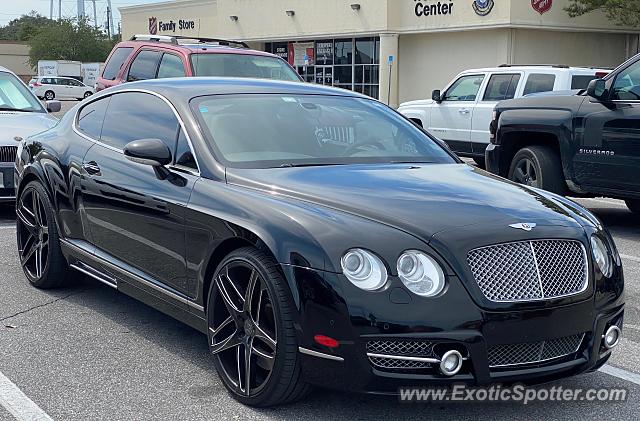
117	59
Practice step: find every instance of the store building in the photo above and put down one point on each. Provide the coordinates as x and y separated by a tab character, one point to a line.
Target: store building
395	50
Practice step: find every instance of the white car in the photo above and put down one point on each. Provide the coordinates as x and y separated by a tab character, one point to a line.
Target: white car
460	114
58	87
21	115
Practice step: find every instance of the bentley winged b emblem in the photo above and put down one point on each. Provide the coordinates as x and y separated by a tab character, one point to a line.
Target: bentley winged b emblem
526	226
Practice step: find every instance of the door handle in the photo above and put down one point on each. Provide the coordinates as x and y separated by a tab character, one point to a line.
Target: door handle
92	168
464	111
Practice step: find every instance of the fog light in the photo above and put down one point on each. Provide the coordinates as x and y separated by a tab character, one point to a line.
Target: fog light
612	337
451	363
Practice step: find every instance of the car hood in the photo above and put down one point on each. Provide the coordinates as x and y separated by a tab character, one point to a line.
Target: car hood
421	199
416	103
18	124
559	101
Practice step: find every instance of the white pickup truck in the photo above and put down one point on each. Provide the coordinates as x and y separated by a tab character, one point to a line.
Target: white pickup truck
461	113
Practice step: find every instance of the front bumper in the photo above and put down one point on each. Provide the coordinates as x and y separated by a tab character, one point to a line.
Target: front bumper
452	322
7	186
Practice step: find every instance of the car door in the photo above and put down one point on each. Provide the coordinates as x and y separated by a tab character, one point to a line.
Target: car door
499	87
59	87
451	119
76	88
134	216
608	154
144	65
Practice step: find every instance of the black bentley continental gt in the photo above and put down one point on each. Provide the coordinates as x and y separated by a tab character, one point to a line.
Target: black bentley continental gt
316	237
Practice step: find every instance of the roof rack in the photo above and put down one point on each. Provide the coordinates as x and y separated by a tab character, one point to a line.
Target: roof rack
173	39
558	66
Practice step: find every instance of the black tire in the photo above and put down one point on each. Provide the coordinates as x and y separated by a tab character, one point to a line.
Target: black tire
538	166
49	95
277	378
37	235
633	205
479	162
87	94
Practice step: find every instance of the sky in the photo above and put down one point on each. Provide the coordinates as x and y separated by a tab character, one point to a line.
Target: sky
11	9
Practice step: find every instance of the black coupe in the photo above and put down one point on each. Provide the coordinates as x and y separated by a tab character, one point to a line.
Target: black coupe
317	237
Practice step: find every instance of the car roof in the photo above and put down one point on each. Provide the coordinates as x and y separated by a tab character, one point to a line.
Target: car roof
546	68
194	48
186	88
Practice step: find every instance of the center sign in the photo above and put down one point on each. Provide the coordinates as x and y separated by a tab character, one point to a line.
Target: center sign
431	8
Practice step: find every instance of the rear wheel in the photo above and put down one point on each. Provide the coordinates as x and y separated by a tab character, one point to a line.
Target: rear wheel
251	333
633	205
538	166
49	95
38	241
87	94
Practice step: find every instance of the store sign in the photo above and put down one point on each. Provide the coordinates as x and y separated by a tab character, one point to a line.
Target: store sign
483	7
432	8
541	6
324	52
182	25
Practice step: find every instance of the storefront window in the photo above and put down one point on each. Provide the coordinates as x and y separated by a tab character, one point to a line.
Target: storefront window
343	52
324	52
365	50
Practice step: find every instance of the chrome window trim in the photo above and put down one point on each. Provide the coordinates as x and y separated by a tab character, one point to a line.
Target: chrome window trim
586	270
143	91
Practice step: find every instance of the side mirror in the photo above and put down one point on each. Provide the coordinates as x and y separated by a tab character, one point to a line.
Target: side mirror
152	152
436	96
53	106
597	89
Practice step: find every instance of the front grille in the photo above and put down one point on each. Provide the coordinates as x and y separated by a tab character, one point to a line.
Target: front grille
533	352
8	153
530	270
400	348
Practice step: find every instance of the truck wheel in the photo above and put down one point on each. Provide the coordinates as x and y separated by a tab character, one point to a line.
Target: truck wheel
479	162
538	166
633	205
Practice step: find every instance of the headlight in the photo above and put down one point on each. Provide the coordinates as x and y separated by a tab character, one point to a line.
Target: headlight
420	273
601	256
364	269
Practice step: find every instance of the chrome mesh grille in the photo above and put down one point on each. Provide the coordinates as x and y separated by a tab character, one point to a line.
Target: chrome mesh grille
8	153
393	364
400	348
530	270
533	352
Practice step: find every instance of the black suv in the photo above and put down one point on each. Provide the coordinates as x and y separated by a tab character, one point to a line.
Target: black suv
585	144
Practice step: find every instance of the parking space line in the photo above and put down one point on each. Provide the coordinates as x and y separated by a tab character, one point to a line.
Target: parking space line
18	404
6	227
633	258
621	374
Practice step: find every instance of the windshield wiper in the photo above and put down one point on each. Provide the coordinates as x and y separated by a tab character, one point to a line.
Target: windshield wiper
308	164
16	109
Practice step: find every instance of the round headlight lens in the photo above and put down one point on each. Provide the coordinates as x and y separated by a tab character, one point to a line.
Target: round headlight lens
420	273
364	269
601	256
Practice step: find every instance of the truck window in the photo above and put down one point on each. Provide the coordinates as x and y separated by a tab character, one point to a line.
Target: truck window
464	89
116	61
539	82
581	81
627	84
501	87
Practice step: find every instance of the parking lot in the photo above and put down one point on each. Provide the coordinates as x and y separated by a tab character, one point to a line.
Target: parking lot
88	352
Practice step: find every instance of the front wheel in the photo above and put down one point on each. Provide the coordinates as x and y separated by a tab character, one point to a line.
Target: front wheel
38	240
538	166
633	205
87	94
49	95
251	332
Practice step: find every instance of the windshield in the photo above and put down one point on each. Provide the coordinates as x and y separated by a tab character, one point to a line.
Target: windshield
242	65
273	130
14	96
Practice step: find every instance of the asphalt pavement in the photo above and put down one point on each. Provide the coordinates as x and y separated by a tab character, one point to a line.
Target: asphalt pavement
87	352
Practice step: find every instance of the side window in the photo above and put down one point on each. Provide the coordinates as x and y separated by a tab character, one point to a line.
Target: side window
113	66
184	155
170	66
144	66
539	82
581	81
135	115
501	87
91	117
627	84
464	89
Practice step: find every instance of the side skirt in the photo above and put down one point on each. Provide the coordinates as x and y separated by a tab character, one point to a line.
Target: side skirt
134	283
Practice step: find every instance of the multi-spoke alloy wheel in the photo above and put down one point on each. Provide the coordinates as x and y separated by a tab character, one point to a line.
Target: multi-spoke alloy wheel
251	330
525	172
38	242
538	166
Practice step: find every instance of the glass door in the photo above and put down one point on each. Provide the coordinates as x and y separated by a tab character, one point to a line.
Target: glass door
324	75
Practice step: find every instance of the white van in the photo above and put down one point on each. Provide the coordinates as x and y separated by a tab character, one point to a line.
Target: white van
58	87
461	113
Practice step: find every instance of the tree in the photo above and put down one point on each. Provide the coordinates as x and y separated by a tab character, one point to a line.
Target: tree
24	27
622	12
69	39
